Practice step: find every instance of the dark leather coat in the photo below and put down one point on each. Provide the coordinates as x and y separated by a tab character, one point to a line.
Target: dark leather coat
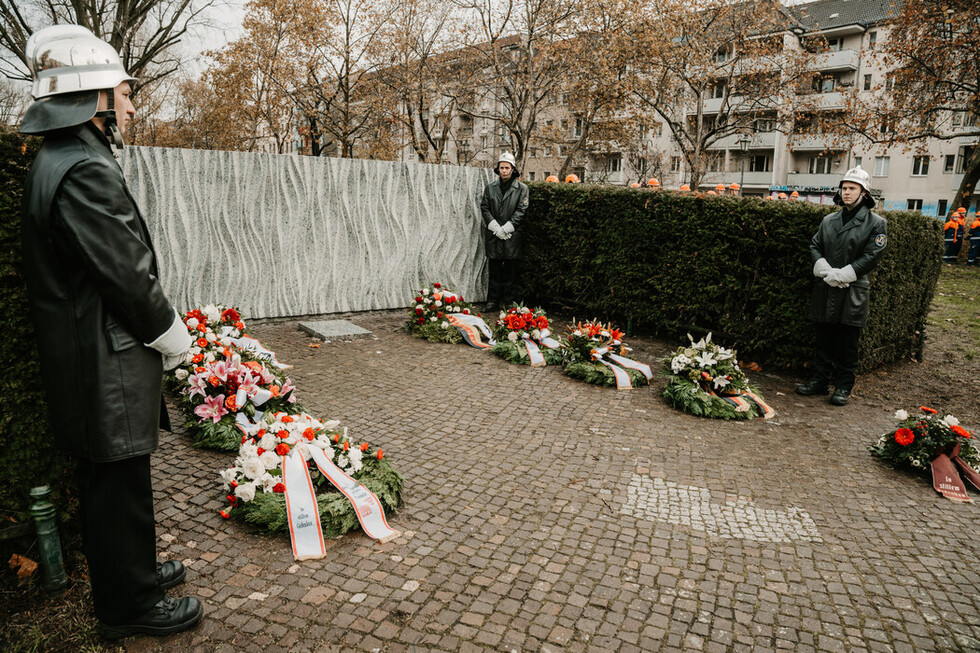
504	208
95	299
859	243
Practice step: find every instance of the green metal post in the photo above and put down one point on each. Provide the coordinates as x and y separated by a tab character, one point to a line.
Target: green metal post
53	577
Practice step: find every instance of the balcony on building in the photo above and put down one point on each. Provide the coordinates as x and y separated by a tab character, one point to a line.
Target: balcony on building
836	61
813	181
752	179
760	141
817	142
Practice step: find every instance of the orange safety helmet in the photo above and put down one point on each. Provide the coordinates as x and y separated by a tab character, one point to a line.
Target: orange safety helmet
552	178
720	188
769	197
795	195
635	184
571	179
685	188
734	186
782	196
653	182
711	192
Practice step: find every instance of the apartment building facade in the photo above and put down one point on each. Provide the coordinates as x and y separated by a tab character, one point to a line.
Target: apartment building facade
769	159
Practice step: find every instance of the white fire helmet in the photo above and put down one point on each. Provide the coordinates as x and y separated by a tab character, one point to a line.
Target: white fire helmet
507	157
859	176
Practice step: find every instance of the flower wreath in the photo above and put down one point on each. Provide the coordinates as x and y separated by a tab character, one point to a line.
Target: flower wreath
253	486
582	347
221	385
918	438
429	314
704	379
519	323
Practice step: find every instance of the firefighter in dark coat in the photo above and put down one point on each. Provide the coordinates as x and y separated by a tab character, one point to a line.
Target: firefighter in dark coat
105	329
504	202
845	249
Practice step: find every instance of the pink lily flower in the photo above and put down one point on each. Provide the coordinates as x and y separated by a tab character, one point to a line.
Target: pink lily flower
197	384
212	407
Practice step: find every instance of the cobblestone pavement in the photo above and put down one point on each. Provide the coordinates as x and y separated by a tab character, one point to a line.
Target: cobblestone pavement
545	514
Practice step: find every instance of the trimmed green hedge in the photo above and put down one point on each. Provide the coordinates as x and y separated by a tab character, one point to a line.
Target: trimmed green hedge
671	263
27	456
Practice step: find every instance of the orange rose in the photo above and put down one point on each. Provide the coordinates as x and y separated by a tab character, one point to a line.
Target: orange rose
230	403
308	433
287	419
202	342
197	359
364	446
202	327
379	454
283	434
346	445
282	449
214	381
274	389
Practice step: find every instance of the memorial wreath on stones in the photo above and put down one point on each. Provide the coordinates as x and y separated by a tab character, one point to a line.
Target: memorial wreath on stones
430	314
227	378
926	442
521	336
705	380
595	353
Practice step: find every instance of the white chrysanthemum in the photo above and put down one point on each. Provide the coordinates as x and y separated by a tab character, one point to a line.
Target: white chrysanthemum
536	334
225	342
679	362
455	309
425	291
253	467
210	337
356	456
916	463
211	312
445	324
209	357
228	475
192	322
181	374
245	491
901	415
433	319
512	336
268	441
342	462
437	303
949	420
269	459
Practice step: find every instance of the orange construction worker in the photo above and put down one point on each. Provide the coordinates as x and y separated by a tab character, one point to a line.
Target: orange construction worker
953	235
971	258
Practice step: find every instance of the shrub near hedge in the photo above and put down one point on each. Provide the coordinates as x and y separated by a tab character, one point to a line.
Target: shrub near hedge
27	456
673	263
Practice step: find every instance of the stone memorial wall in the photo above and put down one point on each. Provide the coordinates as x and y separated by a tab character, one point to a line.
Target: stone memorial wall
279	235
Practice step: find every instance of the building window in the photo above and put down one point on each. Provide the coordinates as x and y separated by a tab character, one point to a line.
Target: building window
941	208
764	125
714	163
530	176
547	173
889	81
920	166
614	163
760	163
721	55
657	129
913	205
718	90
857	161
835	45
881	166
825	84
578	127
867	82
675	164
872	39
819	165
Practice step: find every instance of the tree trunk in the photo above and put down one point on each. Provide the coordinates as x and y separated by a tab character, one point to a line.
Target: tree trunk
971	175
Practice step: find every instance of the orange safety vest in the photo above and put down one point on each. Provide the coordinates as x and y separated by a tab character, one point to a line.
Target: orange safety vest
975	230
955	226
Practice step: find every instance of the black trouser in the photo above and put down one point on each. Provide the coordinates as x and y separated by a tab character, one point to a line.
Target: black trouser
837	355
119	535
503	280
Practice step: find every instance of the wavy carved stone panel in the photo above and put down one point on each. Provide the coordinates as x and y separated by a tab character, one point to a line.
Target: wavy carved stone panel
282	235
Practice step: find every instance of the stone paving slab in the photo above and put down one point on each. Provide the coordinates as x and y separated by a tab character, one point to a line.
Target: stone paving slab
333	329
543	514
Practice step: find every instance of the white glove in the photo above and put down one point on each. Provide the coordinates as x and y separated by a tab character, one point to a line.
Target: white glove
834	278
503	235
508	228
494	227
175	341
821	268
848	275
170	362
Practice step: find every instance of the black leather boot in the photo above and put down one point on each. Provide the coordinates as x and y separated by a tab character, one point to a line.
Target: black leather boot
840	397
170	574
813	387
167	617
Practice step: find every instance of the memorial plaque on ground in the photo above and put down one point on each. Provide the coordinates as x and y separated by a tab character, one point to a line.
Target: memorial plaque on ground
333	329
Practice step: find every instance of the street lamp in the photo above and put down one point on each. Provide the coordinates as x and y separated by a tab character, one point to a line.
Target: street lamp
743	145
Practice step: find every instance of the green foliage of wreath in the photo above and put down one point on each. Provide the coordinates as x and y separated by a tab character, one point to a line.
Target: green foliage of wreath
516	352
599	374
688	396
433	332
223	435
337	517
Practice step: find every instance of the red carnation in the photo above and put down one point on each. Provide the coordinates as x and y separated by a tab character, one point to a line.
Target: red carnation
437	285
286	419
420	321
364	446
346	445
926	409
960	431
278	488
308	433
282	449
231	315
260	451
224	514
418	310
379	454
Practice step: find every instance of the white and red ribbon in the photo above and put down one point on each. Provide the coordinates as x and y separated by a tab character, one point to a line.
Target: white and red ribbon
622	377
305	532
548	341
367	506
537	358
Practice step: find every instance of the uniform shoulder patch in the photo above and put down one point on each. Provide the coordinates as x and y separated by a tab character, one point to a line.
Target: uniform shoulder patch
880	240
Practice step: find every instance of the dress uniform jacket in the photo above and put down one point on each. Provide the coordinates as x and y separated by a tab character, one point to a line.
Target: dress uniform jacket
95	299
859	243
504	207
